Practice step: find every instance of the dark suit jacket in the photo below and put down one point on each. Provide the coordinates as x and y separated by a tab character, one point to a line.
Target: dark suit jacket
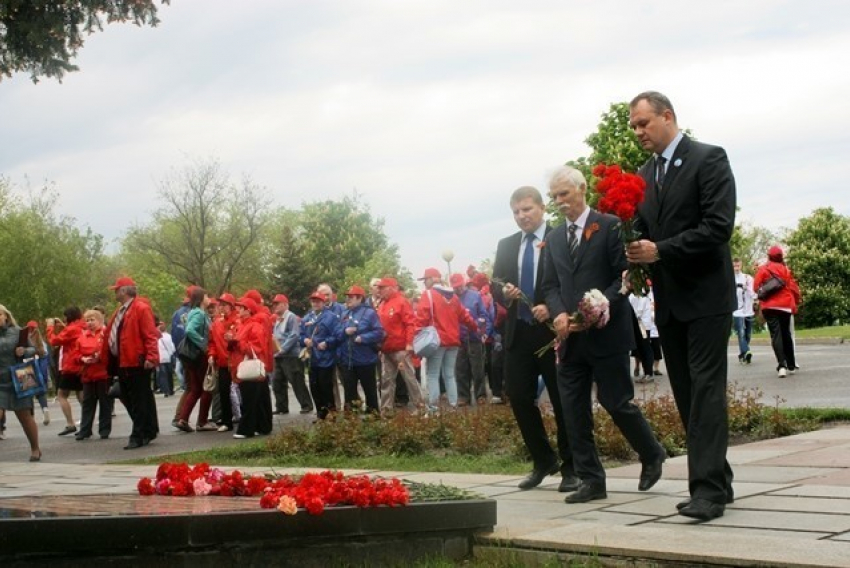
506	269
691	222
600	262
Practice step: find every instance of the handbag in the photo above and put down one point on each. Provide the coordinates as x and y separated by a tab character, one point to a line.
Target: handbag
188	351
27	379
770	286
251	369
426	342
210	379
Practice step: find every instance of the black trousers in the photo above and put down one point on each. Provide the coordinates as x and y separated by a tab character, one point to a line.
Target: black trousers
290	371
96	394
697	367
365	376
224	400
469	372
643	349
615	392
494	367
256	408
779	325
322	388
522	367
137	396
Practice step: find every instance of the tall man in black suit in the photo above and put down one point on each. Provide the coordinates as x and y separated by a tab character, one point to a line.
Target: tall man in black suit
518	264
686	221
583	254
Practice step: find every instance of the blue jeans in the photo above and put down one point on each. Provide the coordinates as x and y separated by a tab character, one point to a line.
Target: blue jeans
443	360
744	330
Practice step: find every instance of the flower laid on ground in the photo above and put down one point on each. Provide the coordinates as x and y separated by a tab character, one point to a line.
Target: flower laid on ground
312	491
620	194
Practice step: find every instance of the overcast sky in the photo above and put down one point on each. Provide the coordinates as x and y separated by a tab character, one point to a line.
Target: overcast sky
434	111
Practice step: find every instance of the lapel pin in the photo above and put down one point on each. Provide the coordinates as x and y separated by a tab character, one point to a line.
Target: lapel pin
678	162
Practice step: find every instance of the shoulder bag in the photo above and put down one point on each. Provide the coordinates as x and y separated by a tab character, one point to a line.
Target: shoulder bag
27	379
770	286
426	342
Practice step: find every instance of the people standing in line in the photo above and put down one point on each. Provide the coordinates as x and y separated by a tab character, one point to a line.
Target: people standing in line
517	270
318	337
252	341
337	308
398	322
359	336
779	308
685	222
441	308
585	254
165	370
12	353
95	377
742	317
197	334
65	335
288	368
132	353
470	355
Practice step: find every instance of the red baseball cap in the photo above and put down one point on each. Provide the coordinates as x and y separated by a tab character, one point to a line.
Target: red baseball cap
32	324
387	282
356	291
318	296
480	280
456	280
254	295
213	302
431	273
227	298
280	298
121	282
248	303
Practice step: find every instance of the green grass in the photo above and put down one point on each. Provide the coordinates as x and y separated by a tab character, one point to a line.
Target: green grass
831	332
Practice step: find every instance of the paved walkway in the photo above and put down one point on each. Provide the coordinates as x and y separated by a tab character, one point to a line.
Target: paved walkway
792	505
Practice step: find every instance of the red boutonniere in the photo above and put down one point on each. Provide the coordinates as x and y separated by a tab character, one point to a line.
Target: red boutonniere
541	245
588	231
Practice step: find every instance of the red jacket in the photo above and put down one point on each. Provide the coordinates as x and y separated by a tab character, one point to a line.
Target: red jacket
138	336
90	344
218	344
268	326
398	321
67	340
448	314
787	298
250	340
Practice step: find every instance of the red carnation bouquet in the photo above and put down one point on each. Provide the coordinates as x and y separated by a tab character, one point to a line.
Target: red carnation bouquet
620	194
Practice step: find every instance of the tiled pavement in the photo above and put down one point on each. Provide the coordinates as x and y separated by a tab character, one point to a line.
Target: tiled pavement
792	505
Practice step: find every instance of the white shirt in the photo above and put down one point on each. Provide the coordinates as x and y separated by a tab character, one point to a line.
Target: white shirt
539	233
668	152
166	347
745	295
644	308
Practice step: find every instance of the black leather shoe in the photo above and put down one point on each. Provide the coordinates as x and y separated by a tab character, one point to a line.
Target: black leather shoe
80	438
587	491
682	504
650	473
703	510
133	445
537	476
569	483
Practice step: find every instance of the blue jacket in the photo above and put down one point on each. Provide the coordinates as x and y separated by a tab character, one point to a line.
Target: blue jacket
178	324
351	353
471	300
320	327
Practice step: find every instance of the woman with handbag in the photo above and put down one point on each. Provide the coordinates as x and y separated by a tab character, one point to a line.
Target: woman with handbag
95	378
192	352
251	349
779	296
12	353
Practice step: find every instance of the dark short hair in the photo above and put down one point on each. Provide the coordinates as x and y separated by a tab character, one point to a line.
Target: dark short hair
73	313
656	100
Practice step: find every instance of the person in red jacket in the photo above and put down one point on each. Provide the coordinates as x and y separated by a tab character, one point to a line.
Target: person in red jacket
225	323
132	353
441	308
778	308
252	342
65	335
398	320
95	378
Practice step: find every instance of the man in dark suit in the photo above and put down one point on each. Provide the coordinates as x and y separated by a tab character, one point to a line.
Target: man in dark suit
686	221
584	254
518	265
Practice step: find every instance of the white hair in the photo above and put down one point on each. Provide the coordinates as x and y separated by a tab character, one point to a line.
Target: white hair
567	174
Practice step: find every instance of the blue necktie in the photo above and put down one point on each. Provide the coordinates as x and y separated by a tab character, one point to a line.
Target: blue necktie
526	277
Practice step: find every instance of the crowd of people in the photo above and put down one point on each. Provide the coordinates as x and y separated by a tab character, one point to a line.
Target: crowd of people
236	358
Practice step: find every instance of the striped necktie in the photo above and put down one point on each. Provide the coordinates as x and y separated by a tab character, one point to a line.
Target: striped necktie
572	241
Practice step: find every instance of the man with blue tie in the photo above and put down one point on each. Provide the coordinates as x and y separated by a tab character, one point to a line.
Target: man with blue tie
518	265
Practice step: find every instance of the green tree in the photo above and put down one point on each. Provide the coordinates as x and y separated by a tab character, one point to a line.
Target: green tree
750	243
41	37
819	255
207	232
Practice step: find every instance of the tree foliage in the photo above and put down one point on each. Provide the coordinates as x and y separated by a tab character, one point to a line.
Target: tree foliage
41	37
207	230
750	243
48	262
819	255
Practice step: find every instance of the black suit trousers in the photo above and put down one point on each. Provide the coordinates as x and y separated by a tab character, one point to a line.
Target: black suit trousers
615	392
137	396
697	367
522	367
